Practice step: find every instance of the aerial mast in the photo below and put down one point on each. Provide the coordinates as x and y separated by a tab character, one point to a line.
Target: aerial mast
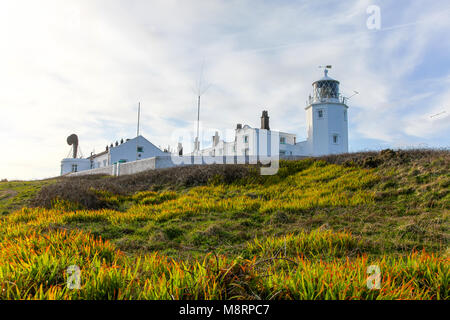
137	133
139	115
201	89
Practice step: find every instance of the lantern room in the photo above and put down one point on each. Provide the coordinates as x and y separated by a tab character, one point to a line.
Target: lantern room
325	90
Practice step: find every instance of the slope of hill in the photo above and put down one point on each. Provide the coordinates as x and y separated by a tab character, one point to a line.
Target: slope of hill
17	194
308	232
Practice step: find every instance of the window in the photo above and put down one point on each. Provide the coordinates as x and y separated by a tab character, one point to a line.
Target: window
140	149
320	113
245	139
282	140
104	163
335	138
74	168
345	115
326	89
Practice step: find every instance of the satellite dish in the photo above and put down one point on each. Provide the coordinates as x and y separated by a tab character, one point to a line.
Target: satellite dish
73	140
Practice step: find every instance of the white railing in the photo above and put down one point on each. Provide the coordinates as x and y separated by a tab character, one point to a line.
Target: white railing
341	99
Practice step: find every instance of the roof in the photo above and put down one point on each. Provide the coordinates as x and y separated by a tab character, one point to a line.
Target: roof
97	155
326	78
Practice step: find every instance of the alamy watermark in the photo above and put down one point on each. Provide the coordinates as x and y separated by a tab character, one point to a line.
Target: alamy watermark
73	277
374	278
247	146
374	20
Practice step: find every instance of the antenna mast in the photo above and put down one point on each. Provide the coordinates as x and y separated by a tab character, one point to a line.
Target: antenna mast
345	99
200	91
198	115
137	133
139	115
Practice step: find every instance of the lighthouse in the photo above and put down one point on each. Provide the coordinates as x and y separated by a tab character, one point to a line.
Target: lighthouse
327	118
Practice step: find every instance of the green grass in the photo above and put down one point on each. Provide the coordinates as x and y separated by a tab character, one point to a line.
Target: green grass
16	194
308	232
35	266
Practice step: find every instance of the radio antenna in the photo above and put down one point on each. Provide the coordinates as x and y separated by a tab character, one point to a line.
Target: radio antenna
139	116
200	90
137	133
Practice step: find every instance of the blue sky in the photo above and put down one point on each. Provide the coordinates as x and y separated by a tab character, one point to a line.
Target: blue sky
82	66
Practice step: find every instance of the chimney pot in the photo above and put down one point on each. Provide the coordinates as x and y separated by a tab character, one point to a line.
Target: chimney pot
265	120
215	138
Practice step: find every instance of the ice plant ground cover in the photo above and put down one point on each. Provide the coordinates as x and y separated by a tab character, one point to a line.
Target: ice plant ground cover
309	232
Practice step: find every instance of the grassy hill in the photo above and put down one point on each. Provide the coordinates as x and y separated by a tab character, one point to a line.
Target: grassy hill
17	194
224	231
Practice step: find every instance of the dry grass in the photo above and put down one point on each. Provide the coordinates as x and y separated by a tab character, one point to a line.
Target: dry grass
83	189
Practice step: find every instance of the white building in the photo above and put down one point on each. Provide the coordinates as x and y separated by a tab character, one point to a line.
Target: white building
327	123
122	152
128	151
69	165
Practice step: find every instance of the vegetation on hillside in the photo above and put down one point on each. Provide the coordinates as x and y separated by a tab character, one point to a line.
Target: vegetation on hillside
16	194
221	232
35	266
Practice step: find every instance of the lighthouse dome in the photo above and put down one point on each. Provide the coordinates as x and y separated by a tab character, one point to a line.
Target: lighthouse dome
325	90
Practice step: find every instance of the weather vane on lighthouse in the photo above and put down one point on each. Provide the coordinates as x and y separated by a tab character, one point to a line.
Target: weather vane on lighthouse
328	66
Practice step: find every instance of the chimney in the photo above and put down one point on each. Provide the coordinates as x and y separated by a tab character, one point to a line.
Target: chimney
215	139
265	120
239	126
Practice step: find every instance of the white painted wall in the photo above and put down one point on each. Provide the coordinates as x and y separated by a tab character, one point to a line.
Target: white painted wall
127	151
120	169
101	161
69	165
321	129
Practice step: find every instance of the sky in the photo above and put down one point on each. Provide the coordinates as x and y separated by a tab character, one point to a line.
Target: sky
83	66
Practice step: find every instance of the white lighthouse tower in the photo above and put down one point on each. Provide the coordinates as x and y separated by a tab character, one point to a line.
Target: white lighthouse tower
327	119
